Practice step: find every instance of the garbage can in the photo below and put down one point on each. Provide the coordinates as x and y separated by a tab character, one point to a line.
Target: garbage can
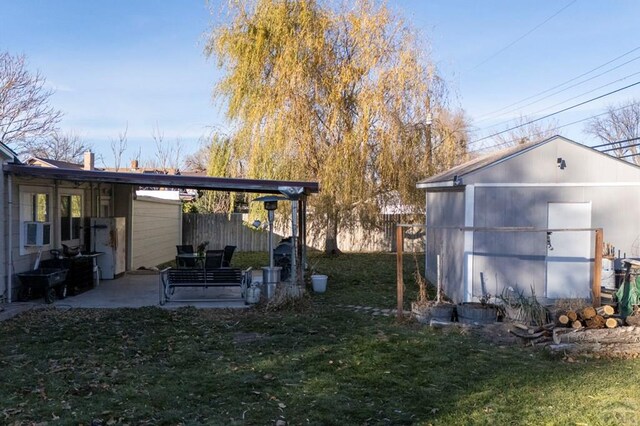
270	279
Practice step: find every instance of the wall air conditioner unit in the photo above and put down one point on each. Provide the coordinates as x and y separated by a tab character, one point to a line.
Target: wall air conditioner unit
37	233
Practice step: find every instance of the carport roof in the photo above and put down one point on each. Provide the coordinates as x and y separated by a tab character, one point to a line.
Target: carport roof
161	180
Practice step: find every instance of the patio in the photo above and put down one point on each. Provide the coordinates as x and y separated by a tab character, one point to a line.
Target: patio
134	289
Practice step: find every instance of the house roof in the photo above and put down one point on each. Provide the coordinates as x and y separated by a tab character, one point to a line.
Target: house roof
8	152
47	162
160	180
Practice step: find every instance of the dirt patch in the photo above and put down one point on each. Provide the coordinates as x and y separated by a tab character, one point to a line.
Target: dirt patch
240	337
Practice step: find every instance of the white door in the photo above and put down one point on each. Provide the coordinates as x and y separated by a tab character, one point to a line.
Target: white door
568	252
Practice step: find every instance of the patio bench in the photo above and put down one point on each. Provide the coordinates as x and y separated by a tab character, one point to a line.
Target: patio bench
171	278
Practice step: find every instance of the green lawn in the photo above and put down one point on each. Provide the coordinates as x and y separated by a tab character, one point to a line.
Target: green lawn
318	364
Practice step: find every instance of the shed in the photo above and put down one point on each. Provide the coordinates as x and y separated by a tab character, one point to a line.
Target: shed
553	184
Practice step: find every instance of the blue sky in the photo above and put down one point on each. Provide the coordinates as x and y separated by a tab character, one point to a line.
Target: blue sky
141	63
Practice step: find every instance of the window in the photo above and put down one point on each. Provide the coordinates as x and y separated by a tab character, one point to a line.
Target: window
70	217
35	217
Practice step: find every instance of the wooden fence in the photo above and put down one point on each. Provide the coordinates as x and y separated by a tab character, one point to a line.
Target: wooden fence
222	229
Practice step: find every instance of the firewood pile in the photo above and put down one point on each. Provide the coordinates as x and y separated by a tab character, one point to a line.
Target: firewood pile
589	330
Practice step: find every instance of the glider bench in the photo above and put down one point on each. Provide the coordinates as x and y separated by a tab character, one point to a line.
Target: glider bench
171	278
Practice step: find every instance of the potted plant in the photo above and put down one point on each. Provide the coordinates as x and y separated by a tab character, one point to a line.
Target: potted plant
481	312
423	309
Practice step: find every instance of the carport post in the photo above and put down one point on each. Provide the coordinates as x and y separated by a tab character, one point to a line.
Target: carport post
399	273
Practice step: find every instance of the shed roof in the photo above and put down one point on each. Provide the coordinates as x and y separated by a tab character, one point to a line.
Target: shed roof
161	180
455	175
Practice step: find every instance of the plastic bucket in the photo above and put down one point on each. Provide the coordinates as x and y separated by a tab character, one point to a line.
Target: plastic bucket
319	283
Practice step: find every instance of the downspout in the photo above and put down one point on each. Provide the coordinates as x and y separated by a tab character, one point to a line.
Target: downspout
9	245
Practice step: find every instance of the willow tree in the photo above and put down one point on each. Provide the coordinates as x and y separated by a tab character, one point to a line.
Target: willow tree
337	94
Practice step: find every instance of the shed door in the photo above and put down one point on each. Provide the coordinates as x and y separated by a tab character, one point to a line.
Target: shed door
569	253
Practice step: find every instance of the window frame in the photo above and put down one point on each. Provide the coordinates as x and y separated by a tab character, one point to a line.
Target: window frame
70	192
26	196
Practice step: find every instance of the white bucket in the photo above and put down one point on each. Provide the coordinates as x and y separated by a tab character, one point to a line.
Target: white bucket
319	283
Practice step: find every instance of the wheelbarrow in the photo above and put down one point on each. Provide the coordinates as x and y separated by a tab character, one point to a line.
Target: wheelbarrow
51	282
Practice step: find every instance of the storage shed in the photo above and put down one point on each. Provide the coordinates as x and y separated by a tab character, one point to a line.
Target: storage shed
549	185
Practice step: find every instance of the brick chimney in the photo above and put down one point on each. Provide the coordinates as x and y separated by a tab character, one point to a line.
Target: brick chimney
134	164
89	161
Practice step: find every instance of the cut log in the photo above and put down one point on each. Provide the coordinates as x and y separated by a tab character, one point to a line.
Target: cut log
520	326
633	320
559	331
605	310
573	316
588	312
576	324
563	320
603	336
595	322
613	322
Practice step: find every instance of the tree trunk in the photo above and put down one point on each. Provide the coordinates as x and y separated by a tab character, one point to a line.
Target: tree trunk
603	336
331	241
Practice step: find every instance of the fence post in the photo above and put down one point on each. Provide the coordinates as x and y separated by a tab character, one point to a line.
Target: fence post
399	272
597	267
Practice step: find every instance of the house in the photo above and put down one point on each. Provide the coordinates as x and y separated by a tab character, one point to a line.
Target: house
500	221
59	201
6	156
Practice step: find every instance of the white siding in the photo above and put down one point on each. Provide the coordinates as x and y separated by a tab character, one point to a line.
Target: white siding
156	230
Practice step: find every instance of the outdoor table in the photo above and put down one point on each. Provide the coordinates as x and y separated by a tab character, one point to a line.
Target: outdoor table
198	259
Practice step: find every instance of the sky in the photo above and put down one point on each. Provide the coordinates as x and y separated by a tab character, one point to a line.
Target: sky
140	64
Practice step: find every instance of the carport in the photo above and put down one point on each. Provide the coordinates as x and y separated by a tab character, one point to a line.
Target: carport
122	188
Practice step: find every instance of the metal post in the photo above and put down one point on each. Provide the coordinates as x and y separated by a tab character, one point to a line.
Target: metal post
294	241
399	272
270	215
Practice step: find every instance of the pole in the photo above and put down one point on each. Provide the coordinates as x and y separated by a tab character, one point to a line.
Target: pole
294	242
597	268
270	216
399	272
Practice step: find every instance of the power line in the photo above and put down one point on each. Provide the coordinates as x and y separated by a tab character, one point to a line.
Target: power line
566	82
613	143
522	36
563	126
564	101
556	112
569	87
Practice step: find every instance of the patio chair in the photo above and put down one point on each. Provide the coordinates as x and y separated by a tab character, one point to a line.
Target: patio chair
213	259
228	254
185	263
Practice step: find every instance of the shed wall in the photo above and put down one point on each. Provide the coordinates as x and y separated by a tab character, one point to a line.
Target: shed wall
446	208
156	230
517	259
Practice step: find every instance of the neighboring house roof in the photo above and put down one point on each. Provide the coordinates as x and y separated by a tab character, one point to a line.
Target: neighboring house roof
8	153
162	180
47	162
455	175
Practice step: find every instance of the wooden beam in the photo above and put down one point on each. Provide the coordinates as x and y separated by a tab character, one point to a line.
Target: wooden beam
399	271
597	267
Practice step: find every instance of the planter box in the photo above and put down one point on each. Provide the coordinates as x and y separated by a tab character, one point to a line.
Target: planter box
476	313
424	313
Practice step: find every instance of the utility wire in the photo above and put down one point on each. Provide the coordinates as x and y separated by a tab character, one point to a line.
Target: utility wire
521	37
564	83
563	126
575	85
563	102
615	142
556	112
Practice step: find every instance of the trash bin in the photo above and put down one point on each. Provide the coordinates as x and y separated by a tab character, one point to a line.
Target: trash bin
270	279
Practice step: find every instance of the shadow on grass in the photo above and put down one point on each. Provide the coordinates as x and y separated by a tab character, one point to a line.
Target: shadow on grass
321	366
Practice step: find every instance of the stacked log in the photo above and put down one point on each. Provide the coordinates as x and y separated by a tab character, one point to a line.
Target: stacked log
589	317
